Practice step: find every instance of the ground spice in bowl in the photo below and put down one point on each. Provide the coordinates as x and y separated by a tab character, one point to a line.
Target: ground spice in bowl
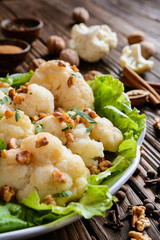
9	49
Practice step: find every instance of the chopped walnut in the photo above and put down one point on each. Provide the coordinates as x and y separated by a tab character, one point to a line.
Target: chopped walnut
69	136
43	115
4	85
6	193
24	157
156	124
76	120
27	84
35	118
61	110
90	113
61	64
49	200
22	89
41	142
12	93
4	153
94	169
74	68
85	122
71	81
58	115
59	177
138	236
18	99
104	165
139	220
12	143
8	114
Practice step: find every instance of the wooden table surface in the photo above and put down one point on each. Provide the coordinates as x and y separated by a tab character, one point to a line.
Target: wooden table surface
123	17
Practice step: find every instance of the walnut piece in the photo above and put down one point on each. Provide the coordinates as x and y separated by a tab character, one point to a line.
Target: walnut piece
41	142
71	81
69	136
4	85
8	114
90	113
6	193
18	99
156	124
24	157
139	220
12	93
35	118
22	89
94	169
91	75
4	153
12	143
138	236
55	44
61	64
104	165
58	176
74	68
49	200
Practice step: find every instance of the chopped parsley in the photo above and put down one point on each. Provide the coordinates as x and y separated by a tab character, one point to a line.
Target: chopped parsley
89	129
17	115
69	127
2	145
63	194
30	93
1	116
84	115
5	99
38	126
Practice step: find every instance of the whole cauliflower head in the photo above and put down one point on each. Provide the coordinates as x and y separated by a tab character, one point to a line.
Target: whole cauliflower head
52	169
92	43
37	100
56	78
105	132
132	57
5	105
87	148
10	128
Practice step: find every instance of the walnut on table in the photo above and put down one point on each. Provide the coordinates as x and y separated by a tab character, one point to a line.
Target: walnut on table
156	124
138	236
139	220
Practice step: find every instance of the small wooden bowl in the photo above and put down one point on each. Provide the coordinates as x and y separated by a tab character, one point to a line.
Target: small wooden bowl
138	97
9	61
27	29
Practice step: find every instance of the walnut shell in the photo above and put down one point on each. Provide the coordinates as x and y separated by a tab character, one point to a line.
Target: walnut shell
136	37
80	14
147	49
55	44
69	55
35	63
91	75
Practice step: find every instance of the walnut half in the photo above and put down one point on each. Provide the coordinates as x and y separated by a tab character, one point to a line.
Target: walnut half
6	193
138	236
139	220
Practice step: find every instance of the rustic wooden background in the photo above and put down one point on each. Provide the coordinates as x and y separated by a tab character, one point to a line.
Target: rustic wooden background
123	17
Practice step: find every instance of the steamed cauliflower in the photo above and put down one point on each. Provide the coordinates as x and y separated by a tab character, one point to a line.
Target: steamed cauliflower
37	100
92	43
87	148
10	128
132	57
105	132
6	105
68	87
52	169
52	125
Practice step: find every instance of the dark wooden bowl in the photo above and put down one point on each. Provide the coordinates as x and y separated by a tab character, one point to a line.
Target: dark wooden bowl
27	29
10	61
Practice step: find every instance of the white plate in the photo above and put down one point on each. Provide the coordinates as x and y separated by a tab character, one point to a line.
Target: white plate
39	230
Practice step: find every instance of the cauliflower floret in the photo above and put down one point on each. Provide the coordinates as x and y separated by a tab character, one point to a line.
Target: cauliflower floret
52	125
92	43
55	78
105	132
5	106
132	57
37	100
85	147
52	169
10	128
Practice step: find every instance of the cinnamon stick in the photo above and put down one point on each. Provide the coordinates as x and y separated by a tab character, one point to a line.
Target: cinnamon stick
138	82
126	83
